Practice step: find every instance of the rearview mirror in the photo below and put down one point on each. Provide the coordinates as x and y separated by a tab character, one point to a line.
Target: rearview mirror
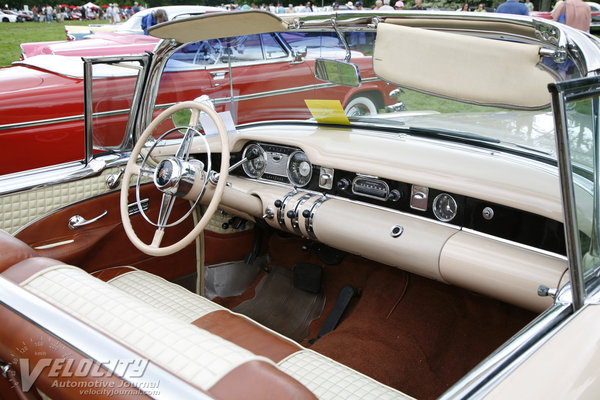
339	72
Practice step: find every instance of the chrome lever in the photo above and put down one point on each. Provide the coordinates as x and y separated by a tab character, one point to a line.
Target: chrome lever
77	220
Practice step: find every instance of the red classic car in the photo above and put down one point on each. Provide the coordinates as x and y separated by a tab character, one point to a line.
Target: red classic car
231	71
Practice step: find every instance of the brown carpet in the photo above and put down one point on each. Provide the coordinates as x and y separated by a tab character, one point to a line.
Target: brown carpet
417	335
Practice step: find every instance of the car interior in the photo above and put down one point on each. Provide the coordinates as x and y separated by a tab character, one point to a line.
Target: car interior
307	259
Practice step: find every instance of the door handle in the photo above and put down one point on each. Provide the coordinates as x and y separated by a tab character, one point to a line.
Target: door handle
218	74
77	220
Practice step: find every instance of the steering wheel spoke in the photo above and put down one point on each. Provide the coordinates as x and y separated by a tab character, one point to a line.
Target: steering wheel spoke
166	206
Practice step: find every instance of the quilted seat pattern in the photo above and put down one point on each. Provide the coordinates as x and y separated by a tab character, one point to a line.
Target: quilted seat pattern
187	351
165	296
328	379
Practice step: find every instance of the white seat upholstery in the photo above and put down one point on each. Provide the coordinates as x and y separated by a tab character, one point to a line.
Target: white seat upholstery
326	378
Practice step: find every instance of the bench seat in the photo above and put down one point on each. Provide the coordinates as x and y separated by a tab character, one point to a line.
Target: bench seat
223	354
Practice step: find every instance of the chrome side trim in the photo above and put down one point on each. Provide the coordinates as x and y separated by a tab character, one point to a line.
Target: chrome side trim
503	361
92	343
41	122
259	95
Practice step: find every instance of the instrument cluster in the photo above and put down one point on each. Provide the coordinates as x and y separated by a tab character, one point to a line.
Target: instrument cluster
278	163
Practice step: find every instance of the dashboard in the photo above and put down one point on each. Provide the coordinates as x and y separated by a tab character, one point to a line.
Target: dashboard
485	220
291	166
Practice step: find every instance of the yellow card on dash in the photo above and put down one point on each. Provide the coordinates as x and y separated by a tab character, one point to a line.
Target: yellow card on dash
327	111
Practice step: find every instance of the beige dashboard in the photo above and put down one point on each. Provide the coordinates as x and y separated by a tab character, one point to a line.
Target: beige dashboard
496	267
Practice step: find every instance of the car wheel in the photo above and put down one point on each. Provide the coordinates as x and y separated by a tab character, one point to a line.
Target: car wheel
360	105
4	19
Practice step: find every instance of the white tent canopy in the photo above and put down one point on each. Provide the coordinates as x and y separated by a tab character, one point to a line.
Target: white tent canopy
89	4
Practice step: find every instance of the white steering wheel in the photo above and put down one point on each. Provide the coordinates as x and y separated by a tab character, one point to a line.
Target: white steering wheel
176	177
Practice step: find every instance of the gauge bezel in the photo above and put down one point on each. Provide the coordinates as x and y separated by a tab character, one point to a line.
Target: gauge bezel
436	211
263	154
288	169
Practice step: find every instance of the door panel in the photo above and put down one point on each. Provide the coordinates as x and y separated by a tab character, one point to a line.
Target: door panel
103	243
23	207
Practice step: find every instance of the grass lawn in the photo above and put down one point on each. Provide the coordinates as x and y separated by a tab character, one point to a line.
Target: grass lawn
13	34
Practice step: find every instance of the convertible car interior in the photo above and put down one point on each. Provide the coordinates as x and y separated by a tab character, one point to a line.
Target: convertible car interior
421	253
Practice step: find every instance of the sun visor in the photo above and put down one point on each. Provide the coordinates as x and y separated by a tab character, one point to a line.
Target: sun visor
465	68
217	25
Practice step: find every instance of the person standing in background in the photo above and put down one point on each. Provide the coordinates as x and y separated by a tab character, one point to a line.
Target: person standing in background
513	7
577	14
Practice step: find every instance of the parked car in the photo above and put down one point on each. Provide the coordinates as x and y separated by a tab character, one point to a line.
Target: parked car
55	84
134	24
8	16
595	7
448	251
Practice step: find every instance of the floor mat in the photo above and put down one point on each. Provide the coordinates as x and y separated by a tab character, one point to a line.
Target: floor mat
278	305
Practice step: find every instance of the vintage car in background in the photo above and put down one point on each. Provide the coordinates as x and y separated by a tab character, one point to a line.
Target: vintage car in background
134	24
110	39
449	250
249	75
8	16
595	7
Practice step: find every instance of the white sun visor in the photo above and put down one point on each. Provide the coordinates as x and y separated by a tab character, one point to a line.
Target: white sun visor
217	25
461	67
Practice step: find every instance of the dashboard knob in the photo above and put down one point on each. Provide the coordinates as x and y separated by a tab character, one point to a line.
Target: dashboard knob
343	184
278	203
395	195
306	213
291	214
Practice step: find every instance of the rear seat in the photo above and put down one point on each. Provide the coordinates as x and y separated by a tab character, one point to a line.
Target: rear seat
224	354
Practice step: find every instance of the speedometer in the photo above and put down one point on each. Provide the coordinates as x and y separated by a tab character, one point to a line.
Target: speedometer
255	167
299	169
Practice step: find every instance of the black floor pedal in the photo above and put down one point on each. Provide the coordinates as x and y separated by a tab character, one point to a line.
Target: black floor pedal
334	317
308	277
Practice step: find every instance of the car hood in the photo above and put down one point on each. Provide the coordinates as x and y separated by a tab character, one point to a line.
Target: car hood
531	132
102	43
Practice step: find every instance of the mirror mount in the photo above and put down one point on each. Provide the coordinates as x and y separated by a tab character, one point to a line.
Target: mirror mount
299	55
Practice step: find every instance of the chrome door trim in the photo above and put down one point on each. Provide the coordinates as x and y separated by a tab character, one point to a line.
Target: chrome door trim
61	173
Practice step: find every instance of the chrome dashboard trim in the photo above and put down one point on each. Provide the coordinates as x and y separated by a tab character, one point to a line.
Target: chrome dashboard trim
516	244
297	212
309	221
281	210
92	343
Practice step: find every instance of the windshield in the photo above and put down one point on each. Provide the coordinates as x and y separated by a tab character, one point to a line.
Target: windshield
271	76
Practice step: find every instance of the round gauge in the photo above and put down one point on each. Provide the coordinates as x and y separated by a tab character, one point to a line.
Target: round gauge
299	169
255	167
444	207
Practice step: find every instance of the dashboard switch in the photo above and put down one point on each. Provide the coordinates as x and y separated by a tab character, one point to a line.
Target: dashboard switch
343	184
326	178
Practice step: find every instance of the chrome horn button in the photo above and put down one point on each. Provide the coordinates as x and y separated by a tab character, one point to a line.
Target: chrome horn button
174	176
